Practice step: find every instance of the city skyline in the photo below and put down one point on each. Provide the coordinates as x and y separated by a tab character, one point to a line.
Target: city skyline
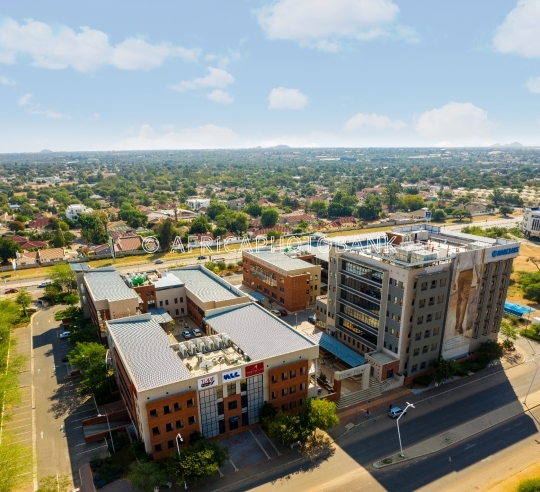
350	73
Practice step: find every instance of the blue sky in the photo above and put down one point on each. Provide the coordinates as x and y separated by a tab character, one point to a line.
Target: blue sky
241	73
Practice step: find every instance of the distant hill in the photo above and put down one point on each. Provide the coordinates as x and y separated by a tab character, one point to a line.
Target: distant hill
280	147
46	151
513	144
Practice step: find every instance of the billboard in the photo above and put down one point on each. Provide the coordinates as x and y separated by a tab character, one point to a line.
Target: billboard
232	375
463	303
207	382
254	369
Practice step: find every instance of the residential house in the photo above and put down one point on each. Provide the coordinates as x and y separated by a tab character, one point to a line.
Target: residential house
26	259
237	204
52	255
73	211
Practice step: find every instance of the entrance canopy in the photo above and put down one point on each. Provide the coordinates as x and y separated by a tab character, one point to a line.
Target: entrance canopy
335	347
516	309
257	297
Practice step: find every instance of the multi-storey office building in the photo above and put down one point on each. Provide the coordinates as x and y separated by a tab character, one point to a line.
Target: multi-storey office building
287	281
531	222
418	293
214	384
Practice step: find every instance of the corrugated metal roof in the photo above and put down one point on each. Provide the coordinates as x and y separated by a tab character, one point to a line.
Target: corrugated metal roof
281	260
108	285
206	285
335	347
160	315
146	352
257	332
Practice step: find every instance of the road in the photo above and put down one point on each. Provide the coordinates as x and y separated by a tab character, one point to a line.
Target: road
437	411
31	284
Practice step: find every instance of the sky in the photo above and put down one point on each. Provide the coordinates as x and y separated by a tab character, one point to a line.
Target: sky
202	74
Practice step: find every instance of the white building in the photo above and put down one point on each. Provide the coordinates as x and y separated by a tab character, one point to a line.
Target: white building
73	211
531	222
195	203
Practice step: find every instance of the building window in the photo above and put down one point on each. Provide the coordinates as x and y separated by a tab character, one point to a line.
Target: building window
440	299
429	318
423	365
155	431
284	407
423	286
284	376
392	331
442	282
190	403
170	444
433	284
181	299
192	420
292	373
389	347
416	352
417	336
168	427
302	386
435	331
231	389
434	346
284	392
167	409
160	303
420	320
274	296
302	371
282	290
219	392
292	405
431	301
179	424
292	389
274	379
158	448
424	349
153	413
274	395
438	315
422	303
414	368
426	334
232	405
281	300
176	300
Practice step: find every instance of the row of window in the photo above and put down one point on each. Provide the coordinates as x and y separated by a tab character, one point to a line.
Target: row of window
364	318
170	426
372	307
429	318
433	284
353	342
177	406
158	448
167	301
288	374
416	351
367	336
362	271
427	333
288	391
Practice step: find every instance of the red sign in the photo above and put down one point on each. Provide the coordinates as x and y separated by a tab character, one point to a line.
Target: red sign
254	369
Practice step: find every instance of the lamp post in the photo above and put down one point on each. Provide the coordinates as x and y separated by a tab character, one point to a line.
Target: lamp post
296	316
532	380
397	423
110	432
178	441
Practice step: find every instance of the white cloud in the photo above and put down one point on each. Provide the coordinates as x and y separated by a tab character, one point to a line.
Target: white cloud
217	77
48	113
372	121
6	81
85	50
220	96
25	100
519	33
202	137
457	124
223	61
97	116
324	24
282	98
533	84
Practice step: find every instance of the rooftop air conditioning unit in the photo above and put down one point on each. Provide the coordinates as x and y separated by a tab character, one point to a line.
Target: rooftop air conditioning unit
181	350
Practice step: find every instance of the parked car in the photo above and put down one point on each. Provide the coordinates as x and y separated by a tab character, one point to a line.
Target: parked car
201	257
11	291
276	312
283	312
395	412
312	319
186	334
158	262
45	284
65	334
196	332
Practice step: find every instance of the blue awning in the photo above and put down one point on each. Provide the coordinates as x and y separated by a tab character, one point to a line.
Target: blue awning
257	296
516	309
160	315
335	347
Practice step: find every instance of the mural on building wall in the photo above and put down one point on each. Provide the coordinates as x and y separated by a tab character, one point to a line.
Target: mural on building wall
463	303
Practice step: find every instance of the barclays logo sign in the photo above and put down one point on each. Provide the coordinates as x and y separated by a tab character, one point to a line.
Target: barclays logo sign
504	252
232	375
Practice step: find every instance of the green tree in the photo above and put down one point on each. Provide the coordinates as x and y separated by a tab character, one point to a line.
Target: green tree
510	334
219	232
132	216
444	369
200	225
412	202
24	299
461	214
94	227
318	414
16	226
146	475
273	234
166	234
253	209
62	274
529	485
285	427
390	195
505	210
319	208
530	285
8	249
58	241
439	215
71	299
214	209
489	351
202	460
371	208
269	217
90	359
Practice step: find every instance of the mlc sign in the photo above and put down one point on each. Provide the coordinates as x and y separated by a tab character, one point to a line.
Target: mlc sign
232	375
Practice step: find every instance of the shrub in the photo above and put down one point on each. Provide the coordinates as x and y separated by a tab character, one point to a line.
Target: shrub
139	451
529	485
423	380
268	411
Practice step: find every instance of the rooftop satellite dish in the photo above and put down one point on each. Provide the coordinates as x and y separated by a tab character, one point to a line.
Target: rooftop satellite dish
206	365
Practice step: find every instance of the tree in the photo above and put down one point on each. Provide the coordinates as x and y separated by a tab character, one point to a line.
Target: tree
62	274
24	299
319	208
529	485
390	195
439	215
203	459
214	209
496	196
284	426
94	227
461	214
166	234
505	210
58	241
219	232
253	209
530	285
489	351
132	216
412	202
200	225
371	208
146	475
273	234
16	226
269	217
444	369
71	299
318	414
8	249
90	359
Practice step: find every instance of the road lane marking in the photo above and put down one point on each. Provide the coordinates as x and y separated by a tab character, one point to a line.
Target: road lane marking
41	434
94	449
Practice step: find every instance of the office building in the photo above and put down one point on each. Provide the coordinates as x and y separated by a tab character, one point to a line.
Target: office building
416	293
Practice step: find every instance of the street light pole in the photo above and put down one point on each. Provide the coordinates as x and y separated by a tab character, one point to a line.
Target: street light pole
532	380
179	437
296	316
397	423
110	432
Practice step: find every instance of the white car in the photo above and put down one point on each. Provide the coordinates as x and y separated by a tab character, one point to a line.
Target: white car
276	312
45	284
65	334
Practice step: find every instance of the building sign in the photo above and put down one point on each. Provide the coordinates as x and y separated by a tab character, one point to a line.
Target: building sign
207	382
348	373
504	252
254	369
232	375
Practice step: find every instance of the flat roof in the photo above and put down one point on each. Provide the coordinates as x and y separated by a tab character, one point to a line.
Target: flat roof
206	285
146	352
281	260
167	281
257	332
108	285
79	267
335	347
